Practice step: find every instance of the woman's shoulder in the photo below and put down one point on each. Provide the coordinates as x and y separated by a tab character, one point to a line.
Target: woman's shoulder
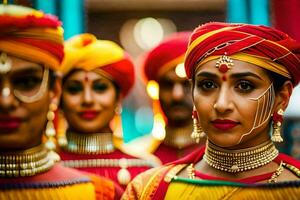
146	183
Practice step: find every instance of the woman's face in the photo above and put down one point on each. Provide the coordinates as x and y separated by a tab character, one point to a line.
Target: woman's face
234	107
89	101
22	124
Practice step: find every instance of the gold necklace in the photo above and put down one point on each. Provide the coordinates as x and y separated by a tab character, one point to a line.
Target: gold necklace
240	160
25	163
97	143
179	137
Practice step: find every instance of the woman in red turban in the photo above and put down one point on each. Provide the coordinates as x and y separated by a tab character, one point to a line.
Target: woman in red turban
31	51
242	78
97	75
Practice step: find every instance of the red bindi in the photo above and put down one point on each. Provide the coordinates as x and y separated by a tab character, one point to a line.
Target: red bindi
86	77
224	78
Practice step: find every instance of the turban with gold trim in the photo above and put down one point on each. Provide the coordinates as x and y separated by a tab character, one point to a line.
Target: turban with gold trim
85	52
166	55
263	46
31	35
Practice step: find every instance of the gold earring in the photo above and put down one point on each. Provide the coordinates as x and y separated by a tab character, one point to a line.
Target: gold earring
197	133
277	123
50	133
118	109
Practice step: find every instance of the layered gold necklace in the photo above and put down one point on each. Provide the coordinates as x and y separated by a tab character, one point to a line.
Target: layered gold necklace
25	163
97	143
240	160
179	138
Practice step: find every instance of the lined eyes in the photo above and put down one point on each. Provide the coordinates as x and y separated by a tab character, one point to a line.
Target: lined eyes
77	87
206	85
245	86
242	86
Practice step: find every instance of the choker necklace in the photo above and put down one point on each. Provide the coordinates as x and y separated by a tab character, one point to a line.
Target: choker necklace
97	143
240	160
179	138
29	162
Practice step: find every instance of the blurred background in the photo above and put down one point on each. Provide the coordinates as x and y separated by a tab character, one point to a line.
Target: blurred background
138	25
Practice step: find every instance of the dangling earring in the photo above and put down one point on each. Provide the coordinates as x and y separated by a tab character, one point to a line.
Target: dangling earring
118	109
277	122
197	133
50	133
116	124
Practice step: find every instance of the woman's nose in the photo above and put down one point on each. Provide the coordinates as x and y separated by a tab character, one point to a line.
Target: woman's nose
223	103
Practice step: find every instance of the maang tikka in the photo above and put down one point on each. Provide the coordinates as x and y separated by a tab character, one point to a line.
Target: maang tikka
197	133
277	123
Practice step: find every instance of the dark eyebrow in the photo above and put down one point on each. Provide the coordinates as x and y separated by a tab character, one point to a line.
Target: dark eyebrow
236	75
207	75
244	74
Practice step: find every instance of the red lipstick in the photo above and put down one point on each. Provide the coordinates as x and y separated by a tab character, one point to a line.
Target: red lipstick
224	124
89	114
9	123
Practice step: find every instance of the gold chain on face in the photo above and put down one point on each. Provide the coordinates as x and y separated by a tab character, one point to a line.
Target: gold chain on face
265	103
25	163
39	94
97	143
240	160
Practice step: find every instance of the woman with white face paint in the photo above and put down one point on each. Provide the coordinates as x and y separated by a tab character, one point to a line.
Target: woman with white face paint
242	78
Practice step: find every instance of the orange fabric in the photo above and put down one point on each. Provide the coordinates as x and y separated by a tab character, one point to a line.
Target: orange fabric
31	35
104	188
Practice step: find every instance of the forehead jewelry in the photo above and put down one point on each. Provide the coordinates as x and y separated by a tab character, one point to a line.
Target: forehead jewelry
224	63
5	63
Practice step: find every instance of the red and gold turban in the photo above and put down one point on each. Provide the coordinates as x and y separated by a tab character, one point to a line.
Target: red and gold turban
260	45
31	35
166	55
103	56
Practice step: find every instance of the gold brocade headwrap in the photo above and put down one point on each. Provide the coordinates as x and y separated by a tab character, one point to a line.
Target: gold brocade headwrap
31	35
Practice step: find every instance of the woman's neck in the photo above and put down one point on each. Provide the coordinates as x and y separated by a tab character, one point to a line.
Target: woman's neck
92	143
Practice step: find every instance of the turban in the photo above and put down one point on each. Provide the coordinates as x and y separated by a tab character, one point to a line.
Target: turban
32	35
263	46
166	55
85	52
